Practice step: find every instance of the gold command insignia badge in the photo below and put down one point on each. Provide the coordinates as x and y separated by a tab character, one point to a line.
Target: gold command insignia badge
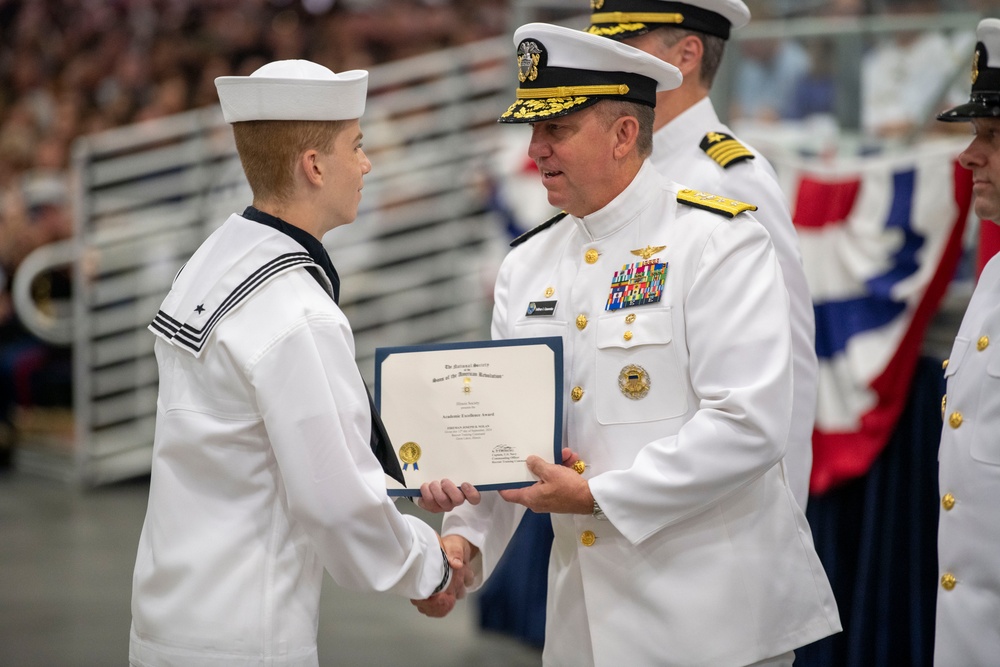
634	382
648	251
409	453
528	55
975	67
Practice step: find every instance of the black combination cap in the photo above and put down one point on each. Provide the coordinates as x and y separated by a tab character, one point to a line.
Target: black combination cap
985	99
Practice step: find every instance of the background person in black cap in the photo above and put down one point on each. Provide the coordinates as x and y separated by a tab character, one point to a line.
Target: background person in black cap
263	472
968	599
691	146
677	540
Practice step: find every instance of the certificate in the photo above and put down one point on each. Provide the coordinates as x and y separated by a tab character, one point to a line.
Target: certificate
471	412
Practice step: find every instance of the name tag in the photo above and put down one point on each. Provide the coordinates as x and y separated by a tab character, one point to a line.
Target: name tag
541	309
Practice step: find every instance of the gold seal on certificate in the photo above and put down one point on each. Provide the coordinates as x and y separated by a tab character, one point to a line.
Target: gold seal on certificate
477	410
409	454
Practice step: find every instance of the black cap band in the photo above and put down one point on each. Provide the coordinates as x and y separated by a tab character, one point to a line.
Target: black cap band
692	18
984	101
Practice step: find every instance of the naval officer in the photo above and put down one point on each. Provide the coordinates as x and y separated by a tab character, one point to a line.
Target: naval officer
691	145
263	471
968	598
677	538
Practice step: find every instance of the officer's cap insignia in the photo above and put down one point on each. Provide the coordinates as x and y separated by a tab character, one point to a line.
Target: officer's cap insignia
562	71
529	55
714	203
648	251
724	149
542	227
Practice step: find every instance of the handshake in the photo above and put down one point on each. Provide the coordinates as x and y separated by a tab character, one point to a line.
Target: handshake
560	489
440	497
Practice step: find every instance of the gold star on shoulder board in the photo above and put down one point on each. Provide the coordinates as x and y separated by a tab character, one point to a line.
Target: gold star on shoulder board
648	251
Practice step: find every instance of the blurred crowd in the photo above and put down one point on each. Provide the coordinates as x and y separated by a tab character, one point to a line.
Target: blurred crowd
74	67
906	76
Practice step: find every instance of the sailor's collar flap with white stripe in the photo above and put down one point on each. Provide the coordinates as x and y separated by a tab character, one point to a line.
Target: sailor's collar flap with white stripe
238	259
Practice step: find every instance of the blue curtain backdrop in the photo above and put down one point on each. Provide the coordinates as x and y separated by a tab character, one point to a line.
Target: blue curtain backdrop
876	536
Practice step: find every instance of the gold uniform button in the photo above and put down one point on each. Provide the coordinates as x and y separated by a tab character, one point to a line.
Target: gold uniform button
591	256
944	364
955	420
549	291
581	322
580	466
576	394
983	343
628	335
587	538
630	318
947	502
948	580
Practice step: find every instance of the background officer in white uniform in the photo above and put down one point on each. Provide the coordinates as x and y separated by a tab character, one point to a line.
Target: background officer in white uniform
263	474
680	543
692	146
968	600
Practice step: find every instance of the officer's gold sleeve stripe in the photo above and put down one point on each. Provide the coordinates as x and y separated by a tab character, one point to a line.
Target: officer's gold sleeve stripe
728	155
636	17
728	148
725	160
570	91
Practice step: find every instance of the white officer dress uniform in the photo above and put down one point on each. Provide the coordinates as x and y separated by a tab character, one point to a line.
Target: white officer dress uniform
678	391
262	472
698	150
967	629
968	599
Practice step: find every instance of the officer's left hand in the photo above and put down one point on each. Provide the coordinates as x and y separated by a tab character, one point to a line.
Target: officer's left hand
559	489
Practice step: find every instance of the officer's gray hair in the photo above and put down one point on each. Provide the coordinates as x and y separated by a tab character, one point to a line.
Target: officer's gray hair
713	48
612	110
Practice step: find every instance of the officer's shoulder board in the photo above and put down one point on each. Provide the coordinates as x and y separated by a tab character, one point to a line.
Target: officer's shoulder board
540	228
725	149
714	203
